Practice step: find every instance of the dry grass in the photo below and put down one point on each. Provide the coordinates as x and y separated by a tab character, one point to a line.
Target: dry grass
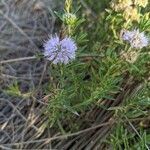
24	25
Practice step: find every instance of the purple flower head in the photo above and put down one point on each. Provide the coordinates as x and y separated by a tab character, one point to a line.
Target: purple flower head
136	39
60	50
127	36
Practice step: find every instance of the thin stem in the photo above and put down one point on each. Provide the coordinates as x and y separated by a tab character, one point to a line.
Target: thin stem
18	59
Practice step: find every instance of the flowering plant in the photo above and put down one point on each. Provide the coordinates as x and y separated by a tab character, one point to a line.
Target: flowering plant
92	64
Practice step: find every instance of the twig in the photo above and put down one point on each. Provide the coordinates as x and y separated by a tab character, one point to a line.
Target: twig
5	148
18	77
18	59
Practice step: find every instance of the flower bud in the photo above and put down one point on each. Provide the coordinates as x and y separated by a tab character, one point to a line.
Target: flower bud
69	19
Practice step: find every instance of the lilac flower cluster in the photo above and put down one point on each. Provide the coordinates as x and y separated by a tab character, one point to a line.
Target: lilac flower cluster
60	50
135	38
